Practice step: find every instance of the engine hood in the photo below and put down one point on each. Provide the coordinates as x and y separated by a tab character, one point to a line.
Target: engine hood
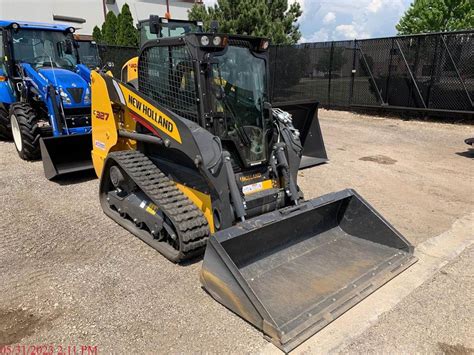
62	78
73	88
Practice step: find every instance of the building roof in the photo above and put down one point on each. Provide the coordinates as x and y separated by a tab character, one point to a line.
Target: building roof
36	25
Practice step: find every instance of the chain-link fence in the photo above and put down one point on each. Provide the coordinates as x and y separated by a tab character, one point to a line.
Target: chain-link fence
432	73
118	55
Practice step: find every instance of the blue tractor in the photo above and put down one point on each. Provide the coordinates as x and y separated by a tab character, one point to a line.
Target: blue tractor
45	98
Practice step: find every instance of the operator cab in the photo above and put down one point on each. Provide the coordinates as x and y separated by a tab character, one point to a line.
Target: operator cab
40	47
233	69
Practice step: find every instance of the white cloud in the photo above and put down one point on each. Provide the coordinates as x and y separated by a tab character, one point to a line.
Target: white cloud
329	18
352	31
322	35
374	6
348	31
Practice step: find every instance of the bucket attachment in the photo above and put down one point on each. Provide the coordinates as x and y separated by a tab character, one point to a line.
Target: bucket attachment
305	119
66	154
293	271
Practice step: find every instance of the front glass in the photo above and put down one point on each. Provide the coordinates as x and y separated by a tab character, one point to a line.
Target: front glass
43	48
169	29
239	91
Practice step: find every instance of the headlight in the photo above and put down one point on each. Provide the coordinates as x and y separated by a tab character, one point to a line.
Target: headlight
205	40
87	96
64	96
217	41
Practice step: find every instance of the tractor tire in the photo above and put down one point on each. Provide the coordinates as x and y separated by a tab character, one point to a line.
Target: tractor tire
5	129
25	131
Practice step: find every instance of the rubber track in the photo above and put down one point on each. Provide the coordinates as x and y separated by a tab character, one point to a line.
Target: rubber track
188	220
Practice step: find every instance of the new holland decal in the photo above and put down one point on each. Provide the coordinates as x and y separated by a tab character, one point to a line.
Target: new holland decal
157	118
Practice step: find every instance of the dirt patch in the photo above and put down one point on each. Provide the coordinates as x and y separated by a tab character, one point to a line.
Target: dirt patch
380	159
455	349
16	325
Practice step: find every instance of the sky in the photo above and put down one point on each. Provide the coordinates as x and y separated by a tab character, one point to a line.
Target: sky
327	20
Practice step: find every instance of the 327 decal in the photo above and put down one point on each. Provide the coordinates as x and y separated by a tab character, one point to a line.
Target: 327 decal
101	115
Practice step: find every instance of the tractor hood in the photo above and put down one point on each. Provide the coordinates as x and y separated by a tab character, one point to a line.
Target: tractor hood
63	78
71	83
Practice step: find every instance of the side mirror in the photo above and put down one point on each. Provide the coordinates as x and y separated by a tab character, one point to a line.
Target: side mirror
68	46
154	24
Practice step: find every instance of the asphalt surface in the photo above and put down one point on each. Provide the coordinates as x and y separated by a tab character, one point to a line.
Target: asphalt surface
436	318
71	276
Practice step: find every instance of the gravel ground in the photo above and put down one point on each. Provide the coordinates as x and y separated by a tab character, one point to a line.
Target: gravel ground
71	276
436	318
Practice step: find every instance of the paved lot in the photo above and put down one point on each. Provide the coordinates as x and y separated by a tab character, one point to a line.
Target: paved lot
436	318
69	275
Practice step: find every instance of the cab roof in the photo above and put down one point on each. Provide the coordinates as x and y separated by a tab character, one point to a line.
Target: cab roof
36	25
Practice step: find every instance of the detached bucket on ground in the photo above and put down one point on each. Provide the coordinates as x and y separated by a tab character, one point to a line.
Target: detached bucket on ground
66	154
293	271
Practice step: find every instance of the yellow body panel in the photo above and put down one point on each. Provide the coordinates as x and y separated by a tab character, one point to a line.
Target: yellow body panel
150	113
105	124
130	70
202	201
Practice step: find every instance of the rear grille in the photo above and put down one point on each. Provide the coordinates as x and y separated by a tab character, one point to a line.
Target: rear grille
76	94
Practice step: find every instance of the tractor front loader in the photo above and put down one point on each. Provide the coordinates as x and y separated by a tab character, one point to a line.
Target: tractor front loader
45	96
196	159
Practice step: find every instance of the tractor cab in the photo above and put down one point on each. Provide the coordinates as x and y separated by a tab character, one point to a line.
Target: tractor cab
89	53
45	97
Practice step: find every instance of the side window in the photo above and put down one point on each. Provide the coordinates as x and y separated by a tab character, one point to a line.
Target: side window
166	75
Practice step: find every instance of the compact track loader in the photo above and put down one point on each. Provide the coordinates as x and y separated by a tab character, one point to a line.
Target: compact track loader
196	159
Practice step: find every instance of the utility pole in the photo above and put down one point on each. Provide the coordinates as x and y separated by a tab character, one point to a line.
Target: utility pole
104	8
168	15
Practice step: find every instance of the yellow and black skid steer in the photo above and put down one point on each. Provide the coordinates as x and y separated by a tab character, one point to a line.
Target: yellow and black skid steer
195	159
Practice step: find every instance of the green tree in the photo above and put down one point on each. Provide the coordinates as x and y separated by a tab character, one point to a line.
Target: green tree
109	29
437	16
127	33
97	34
272	19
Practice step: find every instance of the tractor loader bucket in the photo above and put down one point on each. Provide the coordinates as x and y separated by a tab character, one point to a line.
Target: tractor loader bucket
66	154
305	119
293	271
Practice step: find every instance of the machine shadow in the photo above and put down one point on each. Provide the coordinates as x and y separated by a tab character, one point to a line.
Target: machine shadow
75	178
467	154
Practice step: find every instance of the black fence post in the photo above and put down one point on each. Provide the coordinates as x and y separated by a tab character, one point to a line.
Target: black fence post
353	73
389	73
331	54
433	71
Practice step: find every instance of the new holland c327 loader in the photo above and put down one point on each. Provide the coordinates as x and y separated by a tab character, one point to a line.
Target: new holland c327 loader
197	159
